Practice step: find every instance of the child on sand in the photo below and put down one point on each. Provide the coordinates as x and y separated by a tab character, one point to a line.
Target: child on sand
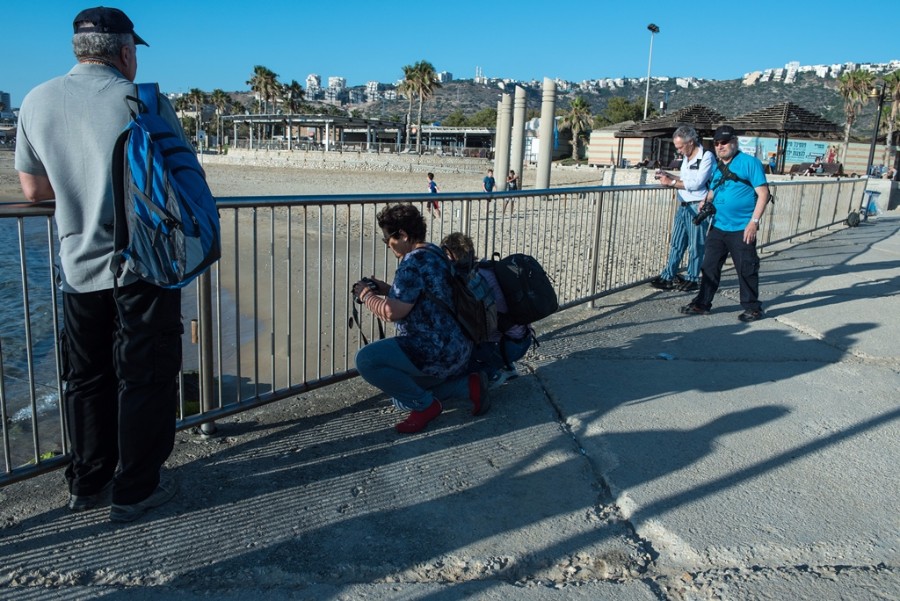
433	205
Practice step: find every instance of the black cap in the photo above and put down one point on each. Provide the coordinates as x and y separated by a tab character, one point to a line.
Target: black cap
105	20
724	133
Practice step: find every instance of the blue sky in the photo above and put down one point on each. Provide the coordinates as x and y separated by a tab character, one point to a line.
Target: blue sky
216	44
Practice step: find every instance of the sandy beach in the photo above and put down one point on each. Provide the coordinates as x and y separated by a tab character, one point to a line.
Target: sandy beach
258	244
227	180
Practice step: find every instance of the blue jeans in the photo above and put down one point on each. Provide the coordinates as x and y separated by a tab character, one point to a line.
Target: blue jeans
384	365
686	237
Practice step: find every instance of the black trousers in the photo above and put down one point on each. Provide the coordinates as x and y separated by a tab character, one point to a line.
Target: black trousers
121	354
719	244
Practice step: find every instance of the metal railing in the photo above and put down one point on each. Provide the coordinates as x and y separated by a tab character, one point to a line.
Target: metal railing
271	318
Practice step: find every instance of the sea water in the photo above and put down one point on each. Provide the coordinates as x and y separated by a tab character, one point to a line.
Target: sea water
30	377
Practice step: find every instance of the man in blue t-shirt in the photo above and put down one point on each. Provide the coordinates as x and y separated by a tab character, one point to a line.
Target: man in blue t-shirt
739	192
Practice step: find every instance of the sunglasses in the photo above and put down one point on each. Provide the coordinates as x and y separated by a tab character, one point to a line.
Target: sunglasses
387	238
723	142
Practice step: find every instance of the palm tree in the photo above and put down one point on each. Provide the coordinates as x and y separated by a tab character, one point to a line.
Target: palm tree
854	88
426	82
264	83
197	97
408	88
220	100
258	83
892	95
578	121
292	96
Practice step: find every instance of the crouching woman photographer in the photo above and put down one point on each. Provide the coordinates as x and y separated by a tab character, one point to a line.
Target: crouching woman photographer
430	349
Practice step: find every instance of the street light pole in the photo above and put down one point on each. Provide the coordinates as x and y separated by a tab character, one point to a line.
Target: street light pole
653	31
664	108
878	82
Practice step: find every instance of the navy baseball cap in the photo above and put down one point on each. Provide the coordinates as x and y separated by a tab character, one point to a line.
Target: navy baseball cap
724	134
105	20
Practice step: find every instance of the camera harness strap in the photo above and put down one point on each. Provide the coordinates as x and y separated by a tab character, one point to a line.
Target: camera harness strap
728	175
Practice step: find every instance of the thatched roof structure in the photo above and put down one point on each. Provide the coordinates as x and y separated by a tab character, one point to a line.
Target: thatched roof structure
781	120
786	118
702	118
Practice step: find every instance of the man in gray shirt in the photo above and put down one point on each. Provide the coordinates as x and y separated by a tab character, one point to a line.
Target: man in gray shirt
121	342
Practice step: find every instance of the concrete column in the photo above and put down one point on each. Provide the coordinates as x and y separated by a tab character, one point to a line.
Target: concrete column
497	135
517	149
501	154
545	134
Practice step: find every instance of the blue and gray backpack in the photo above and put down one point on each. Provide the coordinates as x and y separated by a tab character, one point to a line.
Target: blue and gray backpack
166	225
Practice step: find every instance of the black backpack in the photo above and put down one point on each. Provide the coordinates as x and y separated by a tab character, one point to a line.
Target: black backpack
526	287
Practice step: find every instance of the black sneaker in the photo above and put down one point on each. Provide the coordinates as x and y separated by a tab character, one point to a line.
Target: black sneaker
661	283
128	513
749	315
689	286
692	309
85	502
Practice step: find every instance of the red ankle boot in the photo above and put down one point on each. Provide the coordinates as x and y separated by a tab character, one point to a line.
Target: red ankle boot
417	420
478	393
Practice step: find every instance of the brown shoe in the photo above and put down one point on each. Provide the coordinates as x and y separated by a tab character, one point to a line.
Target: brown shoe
748	315
661	284
692	309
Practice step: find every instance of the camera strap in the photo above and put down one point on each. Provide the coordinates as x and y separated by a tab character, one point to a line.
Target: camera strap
354	318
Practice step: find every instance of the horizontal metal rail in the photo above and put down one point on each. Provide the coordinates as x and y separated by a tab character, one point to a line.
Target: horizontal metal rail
271	319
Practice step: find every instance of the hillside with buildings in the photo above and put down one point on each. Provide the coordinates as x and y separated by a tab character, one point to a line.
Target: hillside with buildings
814	87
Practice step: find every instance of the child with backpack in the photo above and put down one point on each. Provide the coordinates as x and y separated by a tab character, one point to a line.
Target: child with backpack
507	343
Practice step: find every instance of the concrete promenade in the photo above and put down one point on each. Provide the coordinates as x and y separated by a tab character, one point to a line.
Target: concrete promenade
646	456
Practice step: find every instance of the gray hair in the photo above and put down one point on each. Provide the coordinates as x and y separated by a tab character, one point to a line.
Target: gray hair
686	132
100	45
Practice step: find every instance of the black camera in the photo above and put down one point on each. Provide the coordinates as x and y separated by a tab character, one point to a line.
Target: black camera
707	210
368	283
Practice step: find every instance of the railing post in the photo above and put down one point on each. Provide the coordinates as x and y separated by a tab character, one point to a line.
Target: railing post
204	308
595	253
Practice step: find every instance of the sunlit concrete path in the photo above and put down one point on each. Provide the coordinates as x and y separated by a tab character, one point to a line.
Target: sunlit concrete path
645	455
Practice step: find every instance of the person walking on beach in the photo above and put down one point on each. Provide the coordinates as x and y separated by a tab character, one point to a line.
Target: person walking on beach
489	182
427	358
739	192
496	357
512	181
691	186
433	206
512	184
121	348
